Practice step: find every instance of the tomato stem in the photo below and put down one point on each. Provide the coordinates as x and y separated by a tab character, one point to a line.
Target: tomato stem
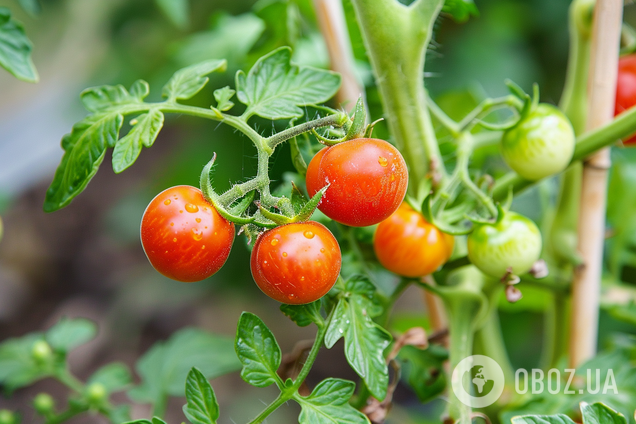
336	120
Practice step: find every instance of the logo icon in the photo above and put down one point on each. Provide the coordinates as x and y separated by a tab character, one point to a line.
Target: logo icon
478	381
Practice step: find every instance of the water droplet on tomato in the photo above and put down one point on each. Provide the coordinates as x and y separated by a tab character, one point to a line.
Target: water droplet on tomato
180	211
198	220
197	234
191	208
274	242
322	250
167	202
172	224
392	177
174	239
285	254
309	234
383	161
302	278
203	247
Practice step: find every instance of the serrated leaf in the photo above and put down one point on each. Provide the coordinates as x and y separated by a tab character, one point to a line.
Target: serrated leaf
15	48
599	413
222	97
114	377
303	315
460	10
32	7
202	407
365	341
106	98
275	89
257	350
328	403
17	366
187	82
176	10
84	148
143	133
423	370
69	333
164	368
542	419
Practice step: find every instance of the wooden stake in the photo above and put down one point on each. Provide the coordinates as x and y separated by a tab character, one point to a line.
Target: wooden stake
602	90
333	26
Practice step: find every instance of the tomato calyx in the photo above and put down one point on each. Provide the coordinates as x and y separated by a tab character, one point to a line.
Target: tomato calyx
356	128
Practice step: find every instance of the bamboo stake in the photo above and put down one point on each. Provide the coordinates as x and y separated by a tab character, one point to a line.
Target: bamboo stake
333	26
435	308
602	90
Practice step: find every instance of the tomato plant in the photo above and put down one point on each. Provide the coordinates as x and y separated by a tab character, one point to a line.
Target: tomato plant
406	244
626	88
296	263
366	181
184	237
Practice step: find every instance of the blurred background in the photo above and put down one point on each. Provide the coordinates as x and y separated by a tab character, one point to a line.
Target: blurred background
86	260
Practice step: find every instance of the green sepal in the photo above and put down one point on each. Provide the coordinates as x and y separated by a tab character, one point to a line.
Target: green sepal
369	130
427	212
277	218
297	158
298	199
309	207
358	121
211	196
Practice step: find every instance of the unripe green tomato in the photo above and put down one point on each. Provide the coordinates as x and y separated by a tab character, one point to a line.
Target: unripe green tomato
43	403
513	243
7	417
41	351
540	145
96	393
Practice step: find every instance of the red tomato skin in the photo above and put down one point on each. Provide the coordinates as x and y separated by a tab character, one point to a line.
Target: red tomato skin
368	179
406	244
296	263
183	236
626	89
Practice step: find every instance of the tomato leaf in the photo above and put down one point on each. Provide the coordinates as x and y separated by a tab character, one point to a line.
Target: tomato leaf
542	419
187	82
599	413
303	315
202	407
108	98
115	377
144	132
257	350
460	10
69	333
15	48
423	370
175	10
164	368
222	97
17	365
328	403
274	88
365	341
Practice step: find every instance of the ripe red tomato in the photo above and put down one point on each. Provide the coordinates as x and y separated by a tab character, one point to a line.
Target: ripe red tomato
367	177
183	236
296	263
406	244
626	88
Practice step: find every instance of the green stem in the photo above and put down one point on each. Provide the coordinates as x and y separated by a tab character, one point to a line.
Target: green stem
337	120
487	106
270	408
69	380
396	37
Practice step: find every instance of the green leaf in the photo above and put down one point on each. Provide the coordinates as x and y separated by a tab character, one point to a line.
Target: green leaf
164	368
187	82
84	148
155	420
15	48
223	96
365	341
108	98
423	370
598	413
32	7
144	132
202	407
542	419
257	350
17	365
114	377
274	88
460	10
328	403
176	10
303	315
69	333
